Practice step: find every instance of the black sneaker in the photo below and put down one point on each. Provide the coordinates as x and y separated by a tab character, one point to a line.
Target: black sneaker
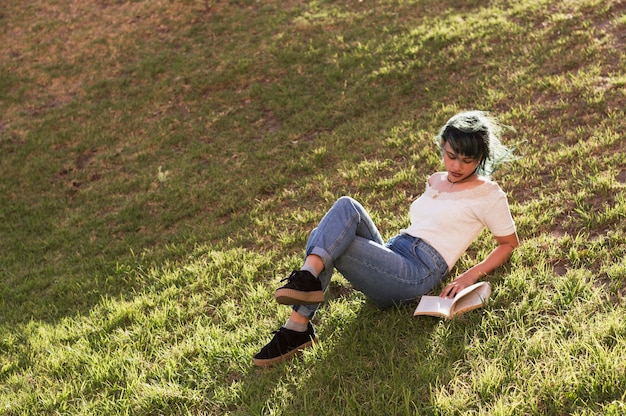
285	344
302	288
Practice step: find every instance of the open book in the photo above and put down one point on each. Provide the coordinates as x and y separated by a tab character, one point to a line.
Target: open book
470	298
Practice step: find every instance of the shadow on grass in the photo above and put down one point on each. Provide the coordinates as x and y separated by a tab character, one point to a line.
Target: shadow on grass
43	294
367	361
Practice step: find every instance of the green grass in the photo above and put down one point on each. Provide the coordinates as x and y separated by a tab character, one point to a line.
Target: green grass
163	162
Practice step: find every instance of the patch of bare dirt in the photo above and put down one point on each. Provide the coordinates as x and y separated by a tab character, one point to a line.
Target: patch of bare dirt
81	41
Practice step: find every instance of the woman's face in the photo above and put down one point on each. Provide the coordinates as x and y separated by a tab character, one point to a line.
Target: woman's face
459	167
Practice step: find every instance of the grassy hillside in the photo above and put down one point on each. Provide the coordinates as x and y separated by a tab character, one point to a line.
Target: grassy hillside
164	161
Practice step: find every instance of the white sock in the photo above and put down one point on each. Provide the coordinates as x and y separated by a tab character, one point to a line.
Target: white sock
296	326
310	269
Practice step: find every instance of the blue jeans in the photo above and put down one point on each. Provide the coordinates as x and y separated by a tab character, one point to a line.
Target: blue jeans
389	274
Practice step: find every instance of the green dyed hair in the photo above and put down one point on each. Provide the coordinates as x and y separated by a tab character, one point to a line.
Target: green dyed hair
476	134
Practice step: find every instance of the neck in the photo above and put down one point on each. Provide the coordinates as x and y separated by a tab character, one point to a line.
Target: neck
466	179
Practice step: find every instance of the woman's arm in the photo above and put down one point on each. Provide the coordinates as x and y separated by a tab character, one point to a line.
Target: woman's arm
495	259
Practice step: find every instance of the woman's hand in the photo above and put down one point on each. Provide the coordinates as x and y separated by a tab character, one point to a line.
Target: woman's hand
457	285
506	245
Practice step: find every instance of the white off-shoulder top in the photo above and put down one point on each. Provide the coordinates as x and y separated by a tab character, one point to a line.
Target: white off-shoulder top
450	221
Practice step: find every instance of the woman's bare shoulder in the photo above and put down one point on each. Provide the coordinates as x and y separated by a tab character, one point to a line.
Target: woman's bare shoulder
437	177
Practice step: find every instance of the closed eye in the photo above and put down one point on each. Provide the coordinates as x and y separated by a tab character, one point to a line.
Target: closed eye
453	156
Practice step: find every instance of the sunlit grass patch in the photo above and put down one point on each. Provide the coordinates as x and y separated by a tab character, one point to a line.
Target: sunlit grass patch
164	162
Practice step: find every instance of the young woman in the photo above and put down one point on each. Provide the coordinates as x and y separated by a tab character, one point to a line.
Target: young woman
456	206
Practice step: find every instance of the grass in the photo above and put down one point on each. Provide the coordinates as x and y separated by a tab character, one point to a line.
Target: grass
163	162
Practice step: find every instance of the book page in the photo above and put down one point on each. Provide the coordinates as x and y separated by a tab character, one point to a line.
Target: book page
434	305
471	297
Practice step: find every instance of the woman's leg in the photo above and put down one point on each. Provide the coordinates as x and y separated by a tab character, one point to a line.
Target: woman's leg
345	221
348	240
390	274
398	273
